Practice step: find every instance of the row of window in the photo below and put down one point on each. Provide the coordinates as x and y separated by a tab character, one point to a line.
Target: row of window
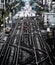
2	1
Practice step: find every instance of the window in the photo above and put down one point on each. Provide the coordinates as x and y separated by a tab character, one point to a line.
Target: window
53	0
2	1
8	0
53	15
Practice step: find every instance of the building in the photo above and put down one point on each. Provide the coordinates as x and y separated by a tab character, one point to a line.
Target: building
53	5
9	5
49	18
3	3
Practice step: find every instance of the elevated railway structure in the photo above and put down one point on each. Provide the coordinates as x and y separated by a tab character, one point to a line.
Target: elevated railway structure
25	46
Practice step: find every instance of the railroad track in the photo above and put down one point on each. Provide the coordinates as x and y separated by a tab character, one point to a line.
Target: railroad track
6	50
26	46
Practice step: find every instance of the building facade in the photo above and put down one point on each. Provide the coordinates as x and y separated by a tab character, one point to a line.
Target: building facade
3	2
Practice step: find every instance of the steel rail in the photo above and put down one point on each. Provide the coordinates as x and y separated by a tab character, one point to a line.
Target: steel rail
19	44
9	43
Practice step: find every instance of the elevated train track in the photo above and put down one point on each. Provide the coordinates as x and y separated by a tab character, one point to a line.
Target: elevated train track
25	46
